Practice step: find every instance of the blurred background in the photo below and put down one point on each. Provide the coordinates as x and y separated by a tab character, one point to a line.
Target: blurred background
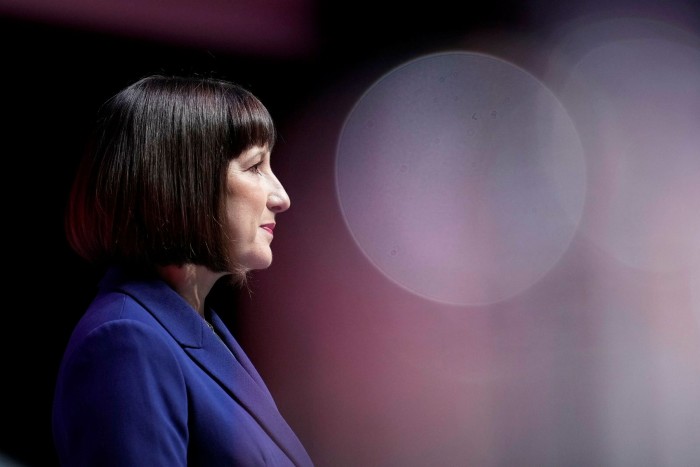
493	252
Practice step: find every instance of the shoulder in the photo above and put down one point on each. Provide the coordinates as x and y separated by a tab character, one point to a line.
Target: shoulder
115	323
120	353
115	310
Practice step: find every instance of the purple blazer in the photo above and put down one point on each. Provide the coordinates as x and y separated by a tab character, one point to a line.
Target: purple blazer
144	381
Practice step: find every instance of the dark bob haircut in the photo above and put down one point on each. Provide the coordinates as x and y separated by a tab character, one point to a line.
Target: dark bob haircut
150	189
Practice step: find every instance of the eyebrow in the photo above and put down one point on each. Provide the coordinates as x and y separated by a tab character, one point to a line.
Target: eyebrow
247	156
258	152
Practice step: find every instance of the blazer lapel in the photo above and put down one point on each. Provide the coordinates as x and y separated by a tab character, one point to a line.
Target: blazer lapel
229	365
230	342
221	357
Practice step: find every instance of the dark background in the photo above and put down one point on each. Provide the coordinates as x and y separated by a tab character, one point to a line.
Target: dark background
53	78
55	74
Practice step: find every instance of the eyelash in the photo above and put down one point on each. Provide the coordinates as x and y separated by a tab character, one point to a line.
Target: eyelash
256	168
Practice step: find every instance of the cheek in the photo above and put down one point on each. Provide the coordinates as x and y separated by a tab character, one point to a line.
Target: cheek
237	218
244	215
246	202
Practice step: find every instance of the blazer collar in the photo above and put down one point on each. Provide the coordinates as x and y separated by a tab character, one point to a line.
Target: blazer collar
221	357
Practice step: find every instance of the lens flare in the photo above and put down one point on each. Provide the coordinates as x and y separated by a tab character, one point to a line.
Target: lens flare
461	177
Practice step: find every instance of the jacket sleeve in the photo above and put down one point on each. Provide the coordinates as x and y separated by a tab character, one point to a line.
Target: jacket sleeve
121	400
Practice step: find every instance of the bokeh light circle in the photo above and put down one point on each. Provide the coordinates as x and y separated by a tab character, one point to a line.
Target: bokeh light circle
695	279
633	89
461	177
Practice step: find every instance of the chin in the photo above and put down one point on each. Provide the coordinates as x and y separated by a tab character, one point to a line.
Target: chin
263	265
258	262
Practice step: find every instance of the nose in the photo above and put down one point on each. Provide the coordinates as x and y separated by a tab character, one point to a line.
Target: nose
278	199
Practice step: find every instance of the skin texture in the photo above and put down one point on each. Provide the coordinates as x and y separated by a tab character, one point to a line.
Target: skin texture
254	196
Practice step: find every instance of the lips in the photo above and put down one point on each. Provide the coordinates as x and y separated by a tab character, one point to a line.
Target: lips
268	227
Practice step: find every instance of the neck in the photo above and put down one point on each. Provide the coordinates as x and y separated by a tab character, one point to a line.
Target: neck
192	282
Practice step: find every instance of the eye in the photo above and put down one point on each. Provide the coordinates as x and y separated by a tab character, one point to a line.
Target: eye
256	168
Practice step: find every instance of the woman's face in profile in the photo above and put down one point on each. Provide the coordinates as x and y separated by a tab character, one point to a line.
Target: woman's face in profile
254	196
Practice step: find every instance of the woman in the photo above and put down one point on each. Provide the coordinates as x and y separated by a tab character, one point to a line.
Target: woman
175	192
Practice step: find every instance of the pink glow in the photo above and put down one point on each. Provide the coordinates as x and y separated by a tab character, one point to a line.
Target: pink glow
276	28
595	363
